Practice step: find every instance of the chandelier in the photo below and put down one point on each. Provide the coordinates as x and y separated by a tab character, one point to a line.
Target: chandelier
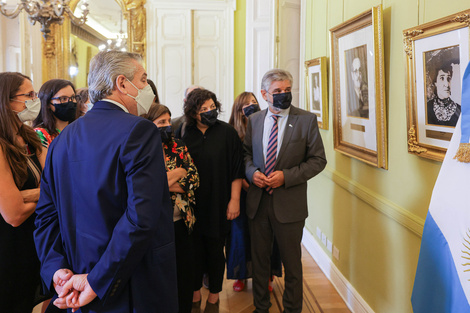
120	43
46	12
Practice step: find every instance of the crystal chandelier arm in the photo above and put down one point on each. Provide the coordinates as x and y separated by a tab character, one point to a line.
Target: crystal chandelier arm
58	7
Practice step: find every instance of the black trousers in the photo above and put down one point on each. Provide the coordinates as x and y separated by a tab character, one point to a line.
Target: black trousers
263	227
184	266
209	257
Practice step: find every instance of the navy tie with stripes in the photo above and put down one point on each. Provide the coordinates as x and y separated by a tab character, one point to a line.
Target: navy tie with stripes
271	152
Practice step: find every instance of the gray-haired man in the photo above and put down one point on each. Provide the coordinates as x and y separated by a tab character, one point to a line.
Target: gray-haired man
283	150
104	213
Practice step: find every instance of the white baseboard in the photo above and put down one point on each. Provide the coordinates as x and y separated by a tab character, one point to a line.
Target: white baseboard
350	296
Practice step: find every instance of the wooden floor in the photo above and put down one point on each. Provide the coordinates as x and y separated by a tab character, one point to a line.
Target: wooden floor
319	294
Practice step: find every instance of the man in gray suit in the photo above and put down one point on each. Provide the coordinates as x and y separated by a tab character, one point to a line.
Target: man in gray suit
283	150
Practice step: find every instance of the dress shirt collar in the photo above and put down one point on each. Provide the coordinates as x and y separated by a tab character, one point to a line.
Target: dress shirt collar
282	113
118	104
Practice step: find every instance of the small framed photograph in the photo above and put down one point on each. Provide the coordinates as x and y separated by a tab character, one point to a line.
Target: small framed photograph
317	89
437	54
359	109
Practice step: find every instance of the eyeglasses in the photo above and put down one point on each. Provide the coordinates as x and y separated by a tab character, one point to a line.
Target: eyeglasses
65	99
31	94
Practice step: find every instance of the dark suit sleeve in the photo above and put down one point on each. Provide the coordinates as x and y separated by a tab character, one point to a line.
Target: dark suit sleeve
315	159
146	218
47	237
237	166
250	168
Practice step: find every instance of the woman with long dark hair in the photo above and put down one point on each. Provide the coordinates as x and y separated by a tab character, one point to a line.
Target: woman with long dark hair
58	109
21	161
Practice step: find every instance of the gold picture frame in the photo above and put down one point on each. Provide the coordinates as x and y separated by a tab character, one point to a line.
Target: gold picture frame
359	106
57	48
316	89
436	55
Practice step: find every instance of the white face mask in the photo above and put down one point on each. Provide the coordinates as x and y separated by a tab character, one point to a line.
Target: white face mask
144	99
31	111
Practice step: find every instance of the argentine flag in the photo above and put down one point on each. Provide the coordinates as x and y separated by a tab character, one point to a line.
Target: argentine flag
442	282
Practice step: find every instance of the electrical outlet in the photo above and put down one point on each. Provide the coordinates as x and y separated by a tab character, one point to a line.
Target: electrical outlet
318	232
336	253
329	245
323	238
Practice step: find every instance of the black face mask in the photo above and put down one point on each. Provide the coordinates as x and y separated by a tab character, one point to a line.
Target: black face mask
251	109
209	118
166	133
282	100
65	111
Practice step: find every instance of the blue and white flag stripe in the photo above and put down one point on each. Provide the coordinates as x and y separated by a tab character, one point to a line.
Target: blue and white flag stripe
437	286
442	282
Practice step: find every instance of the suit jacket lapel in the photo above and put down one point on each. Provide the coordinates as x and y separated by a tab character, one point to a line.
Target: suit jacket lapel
258	140
291	121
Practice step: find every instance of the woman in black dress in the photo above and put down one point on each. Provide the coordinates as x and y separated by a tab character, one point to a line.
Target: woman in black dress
217	153
21	161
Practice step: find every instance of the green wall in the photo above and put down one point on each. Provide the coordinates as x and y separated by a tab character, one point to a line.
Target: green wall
374	216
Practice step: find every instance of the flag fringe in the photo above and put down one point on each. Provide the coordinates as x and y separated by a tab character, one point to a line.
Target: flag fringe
463	153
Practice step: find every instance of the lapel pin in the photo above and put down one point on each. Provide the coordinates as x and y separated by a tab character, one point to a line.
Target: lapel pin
290	125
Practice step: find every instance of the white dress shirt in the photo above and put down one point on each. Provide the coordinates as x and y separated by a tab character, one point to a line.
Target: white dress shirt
118	104
268	125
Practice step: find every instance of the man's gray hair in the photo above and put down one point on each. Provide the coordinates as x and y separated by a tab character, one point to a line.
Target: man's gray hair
275	75
105	67
192	87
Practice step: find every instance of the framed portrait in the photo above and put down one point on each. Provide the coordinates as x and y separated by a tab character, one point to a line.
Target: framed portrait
437	54
359	109
317	89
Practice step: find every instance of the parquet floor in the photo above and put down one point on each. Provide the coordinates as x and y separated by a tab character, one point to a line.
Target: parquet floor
319	294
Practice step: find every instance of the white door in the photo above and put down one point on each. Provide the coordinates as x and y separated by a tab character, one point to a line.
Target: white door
191	46
260	38
289	43
208	51
173	58
272	41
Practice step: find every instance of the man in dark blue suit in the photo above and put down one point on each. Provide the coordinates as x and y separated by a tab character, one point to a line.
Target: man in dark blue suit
104	220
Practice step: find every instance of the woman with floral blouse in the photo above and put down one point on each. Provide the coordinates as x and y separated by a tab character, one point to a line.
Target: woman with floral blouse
183	179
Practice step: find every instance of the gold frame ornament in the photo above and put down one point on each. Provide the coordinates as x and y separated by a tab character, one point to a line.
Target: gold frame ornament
427	47
57	48
317	68
359	106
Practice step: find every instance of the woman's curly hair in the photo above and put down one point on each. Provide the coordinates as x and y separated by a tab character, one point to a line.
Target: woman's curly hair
195	100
